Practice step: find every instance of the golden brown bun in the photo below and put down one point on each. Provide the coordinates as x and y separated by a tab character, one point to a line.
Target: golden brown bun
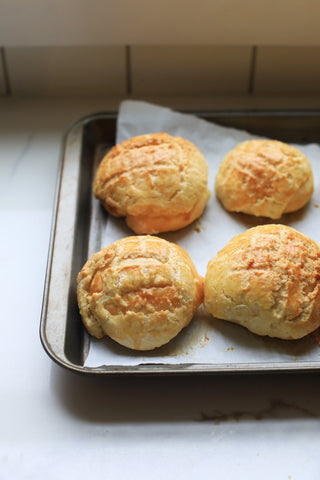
140	291
268	280
157	181
264	178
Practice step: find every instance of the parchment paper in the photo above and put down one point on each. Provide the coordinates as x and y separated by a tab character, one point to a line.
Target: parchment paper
206	339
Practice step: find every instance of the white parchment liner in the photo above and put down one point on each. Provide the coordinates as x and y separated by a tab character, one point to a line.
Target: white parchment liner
207	340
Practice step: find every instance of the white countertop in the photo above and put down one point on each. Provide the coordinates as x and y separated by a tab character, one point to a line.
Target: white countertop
56	424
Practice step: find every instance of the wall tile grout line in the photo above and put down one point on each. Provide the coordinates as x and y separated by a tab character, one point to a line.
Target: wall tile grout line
128	70
3	63
252	72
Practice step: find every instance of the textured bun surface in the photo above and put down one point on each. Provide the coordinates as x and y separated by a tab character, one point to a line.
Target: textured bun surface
158	182
264	178
268	280
140	291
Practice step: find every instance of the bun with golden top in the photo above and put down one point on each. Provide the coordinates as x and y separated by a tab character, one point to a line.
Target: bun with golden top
140	291
158	182
264	178
268	280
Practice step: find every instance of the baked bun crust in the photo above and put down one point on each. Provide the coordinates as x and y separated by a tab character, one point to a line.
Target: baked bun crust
140	291
158	182
268	280
264	178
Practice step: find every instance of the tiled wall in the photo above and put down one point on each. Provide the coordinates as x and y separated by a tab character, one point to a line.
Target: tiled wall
2	79
159	70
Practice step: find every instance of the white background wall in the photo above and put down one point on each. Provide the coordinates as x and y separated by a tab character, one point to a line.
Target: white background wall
176	47
140	22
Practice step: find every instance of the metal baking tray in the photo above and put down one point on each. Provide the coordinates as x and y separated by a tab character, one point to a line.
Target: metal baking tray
79	220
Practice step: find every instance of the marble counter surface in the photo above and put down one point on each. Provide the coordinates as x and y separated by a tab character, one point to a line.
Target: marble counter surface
56	424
